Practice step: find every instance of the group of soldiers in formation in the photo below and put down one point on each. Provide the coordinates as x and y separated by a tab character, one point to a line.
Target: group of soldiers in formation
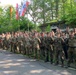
54	47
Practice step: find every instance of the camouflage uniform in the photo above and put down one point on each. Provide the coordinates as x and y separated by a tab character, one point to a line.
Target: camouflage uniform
11	43
14	41
42	47
71	50
59	54
27	45
3	36
47	50
36	47
19	40
30	46
51	41
0	41
24	44
4	42
7	41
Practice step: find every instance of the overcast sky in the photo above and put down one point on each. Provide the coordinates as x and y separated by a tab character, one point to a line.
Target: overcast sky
11	2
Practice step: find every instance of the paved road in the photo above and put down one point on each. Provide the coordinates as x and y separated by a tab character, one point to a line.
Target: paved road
16	64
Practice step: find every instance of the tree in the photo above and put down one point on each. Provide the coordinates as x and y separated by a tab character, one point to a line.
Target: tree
48	28
70	13
45	11
8	23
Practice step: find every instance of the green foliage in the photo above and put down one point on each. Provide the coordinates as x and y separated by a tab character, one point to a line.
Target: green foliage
48	28
8	23
45	11
38	29
25	24
70	13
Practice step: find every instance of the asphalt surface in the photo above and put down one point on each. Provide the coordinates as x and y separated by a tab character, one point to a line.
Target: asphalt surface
17	64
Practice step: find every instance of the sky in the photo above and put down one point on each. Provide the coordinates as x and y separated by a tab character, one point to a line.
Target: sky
10	2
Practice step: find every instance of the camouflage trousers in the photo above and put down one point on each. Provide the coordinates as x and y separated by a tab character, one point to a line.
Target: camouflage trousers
42	53
36	53
0	44
59	56
47	51
51	56
14	47
11	46
71	55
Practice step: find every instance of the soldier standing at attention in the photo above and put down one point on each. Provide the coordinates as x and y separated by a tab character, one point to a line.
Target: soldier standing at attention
47	42
36	45
24	43
7	40
42	46
14	43
65	45
49	48
72	49
3	41
58	49
27	44
11	41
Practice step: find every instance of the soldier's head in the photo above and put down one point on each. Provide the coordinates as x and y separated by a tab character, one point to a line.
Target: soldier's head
52	33
67	29
58	35
47	34
42	34
74	30
33	35
36	34
71	34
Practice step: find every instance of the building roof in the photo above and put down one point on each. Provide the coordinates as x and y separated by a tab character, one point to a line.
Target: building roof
53	24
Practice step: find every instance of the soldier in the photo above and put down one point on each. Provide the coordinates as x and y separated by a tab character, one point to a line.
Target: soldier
58	50
19	40
27	44
58	31
3	37
0	41
11	41
14	41
36	45
42	46
24	43
74	31
65	45
32	44
67	30
72	49
49	48
7	39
